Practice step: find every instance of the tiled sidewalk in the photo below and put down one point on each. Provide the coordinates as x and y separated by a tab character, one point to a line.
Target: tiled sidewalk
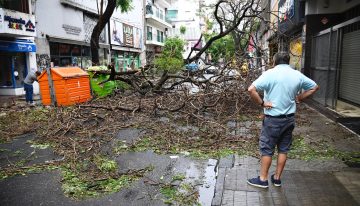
313	185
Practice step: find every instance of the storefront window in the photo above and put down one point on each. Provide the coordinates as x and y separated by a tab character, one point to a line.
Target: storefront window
64	50
64	55
125	60
65	61
54	48
55	60
76	50
86	51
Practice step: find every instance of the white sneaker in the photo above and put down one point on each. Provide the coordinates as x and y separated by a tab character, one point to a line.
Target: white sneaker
32	104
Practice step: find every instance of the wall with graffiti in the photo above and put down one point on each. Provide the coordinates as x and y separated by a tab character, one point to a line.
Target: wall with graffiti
43	61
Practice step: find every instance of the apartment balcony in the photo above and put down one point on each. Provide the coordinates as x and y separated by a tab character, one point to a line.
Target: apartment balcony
17	24
155	40
163	3
156	17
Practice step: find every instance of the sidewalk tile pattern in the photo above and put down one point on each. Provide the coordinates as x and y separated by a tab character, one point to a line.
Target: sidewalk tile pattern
298	188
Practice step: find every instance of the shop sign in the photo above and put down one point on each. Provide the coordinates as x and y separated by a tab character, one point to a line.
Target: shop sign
71	29
18	46
116	29
18	23
128	35
15	23
286	10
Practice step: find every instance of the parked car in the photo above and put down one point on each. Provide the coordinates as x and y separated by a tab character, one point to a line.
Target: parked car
192	67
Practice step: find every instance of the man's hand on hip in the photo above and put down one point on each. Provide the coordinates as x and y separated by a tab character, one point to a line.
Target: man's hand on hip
268	105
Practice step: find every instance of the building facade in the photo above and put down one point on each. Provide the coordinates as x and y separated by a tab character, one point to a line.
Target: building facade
64	33
157	26
185	15
17	47
65	28
127	37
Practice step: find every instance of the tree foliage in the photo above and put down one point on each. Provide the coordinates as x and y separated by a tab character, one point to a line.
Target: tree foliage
221	48
182	29
171	58
124	5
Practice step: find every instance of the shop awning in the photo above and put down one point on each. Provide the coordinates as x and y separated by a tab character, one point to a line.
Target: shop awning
18	46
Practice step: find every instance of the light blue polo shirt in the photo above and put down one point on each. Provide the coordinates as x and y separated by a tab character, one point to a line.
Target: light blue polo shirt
281	85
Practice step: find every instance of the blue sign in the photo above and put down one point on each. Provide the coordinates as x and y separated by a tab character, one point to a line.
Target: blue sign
18	46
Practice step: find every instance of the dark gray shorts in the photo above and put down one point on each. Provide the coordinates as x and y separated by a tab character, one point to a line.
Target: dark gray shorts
276	132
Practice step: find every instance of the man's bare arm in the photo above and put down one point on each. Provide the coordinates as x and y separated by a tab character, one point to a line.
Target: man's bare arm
307	93
256	97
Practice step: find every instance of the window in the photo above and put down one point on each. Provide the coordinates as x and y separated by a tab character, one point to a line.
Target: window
76	50
17	5
72	55
158	36
149	33
162	14
86	51
64	50
157	12
54	48
172	14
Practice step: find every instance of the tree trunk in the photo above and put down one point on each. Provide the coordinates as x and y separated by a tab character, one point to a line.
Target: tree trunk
105	18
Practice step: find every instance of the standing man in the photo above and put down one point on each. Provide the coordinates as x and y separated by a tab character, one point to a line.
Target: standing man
28	86
283	87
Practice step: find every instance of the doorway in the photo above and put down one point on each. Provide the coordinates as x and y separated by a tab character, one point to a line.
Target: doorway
13	69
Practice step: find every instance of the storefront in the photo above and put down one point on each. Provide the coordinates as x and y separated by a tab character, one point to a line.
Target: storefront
17	51
13	56
125	60
126	45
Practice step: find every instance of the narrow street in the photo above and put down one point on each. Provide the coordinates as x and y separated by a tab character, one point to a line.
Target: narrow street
321	171
179	102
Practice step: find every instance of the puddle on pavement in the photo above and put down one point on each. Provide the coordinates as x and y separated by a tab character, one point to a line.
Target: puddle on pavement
207	190
197	172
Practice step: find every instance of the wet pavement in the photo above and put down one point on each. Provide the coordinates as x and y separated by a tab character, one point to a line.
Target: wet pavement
313	184
45	187
22	151
219	182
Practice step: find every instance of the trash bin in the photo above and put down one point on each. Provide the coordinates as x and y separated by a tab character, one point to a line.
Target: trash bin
67	86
